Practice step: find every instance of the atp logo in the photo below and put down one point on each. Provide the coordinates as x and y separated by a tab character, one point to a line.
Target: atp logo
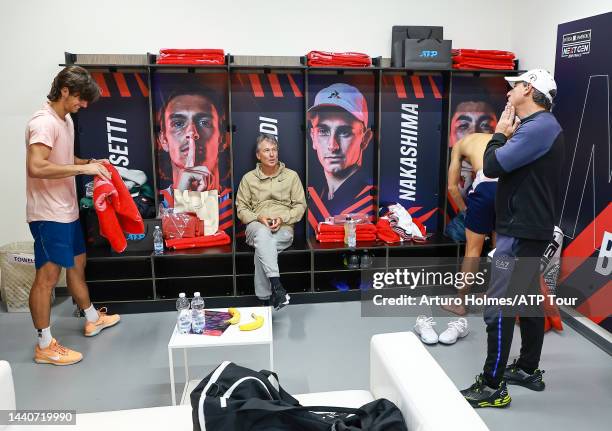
429	54
334	95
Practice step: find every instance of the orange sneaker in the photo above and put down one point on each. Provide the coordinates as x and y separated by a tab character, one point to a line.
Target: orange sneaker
104	321
56	354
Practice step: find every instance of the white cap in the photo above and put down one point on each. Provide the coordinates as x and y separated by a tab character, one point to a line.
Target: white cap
196	294
182	295
343	96
540	79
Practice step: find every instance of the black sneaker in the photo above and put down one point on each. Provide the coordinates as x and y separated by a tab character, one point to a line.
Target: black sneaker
481	395
515	375
279	297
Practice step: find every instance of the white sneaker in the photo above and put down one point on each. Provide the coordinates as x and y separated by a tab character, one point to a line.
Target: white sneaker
456	329
423	328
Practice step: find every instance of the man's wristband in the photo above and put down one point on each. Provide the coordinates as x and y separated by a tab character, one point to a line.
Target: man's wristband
89	161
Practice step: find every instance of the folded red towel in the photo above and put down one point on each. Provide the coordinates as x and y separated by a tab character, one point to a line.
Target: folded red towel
481	52
338	228
462	59
340	238
192	51
349	59
220	238
194	61
478	65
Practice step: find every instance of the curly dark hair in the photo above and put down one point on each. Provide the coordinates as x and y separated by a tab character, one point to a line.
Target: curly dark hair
79	83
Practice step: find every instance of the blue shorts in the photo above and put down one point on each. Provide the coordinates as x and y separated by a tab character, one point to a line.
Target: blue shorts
57	242
480	213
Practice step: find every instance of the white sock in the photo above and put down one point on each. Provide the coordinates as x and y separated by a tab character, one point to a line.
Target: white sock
44	337
91	314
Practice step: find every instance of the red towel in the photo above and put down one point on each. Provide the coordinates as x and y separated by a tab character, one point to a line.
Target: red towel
329	237
116	210
196	51
191	56
385	233
348	59
338	228
483	59
479	65
220	238
483	54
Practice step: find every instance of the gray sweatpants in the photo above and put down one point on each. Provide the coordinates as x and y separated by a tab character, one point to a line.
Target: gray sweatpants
267	245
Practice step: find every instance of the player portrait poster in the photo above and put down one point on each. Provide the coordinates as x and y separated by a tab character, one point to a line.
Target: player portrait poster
273	104
116	126
410	145
476	103
341	146
191	139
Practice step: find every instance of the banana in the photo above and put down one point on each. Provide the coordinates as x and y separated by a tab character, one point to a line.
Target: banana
255	324
235	316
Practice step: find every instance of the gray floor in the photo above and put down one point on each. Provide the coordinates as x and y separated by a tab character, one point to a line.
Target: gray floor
318	347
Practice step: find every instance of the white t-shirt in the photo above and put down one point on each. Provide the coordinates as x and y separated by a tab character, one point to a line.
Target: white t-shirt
52	200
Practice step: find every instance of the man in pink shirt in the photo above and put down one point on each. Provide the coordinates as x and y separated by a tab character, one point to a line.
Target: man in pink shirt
52	210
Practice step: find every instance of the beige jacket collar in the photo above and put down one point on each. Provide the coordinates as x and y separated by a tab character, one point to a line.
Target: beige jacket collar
259	173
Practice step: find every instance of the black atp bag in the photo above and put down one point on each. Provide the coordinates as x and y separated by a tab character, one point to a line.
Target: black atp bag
237	398
431	54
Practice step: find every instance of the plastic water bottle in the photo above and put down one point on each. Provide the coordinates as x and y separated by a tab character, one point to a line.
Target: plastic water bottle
197	314
183	320
350	232
158	241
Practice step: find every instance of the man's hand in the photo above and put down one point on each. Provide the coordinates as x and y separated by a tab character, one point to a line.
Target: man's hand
508	121
96	169
197	177
276	224
264	220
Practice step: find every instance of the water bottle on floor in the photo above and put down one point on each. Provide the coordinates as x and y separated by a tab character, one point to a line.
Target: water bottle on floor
158	241
197	314
183	320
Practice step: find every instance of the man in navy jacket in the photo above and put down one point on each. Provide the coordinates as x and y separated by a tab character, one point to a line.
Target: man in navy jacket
526	154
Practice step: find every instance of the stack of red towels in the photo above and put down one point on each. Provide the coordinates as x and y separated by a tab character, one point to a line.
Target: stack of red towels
342	59
191	56
220	238
482	59
327	232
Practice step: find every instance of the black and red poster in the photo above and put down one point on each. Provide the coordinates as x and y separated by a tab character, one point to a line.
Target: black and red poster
191	139
583	69
411	144
116	127
273	104
340	146
476	103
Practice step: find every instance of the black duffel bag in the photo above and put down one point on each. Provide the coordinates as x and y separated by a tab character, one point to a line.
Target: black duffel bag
237	398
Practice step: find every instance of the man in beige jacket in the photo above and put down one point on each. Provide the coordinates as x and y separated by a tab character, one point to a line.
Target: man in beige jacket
270	200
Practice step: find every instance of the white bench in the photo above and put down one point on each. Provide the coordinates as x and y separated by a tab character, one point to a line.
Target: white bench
401	370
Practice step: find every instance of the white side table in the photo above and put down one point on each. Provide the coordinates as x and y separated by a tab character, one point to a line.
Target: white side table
232	336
